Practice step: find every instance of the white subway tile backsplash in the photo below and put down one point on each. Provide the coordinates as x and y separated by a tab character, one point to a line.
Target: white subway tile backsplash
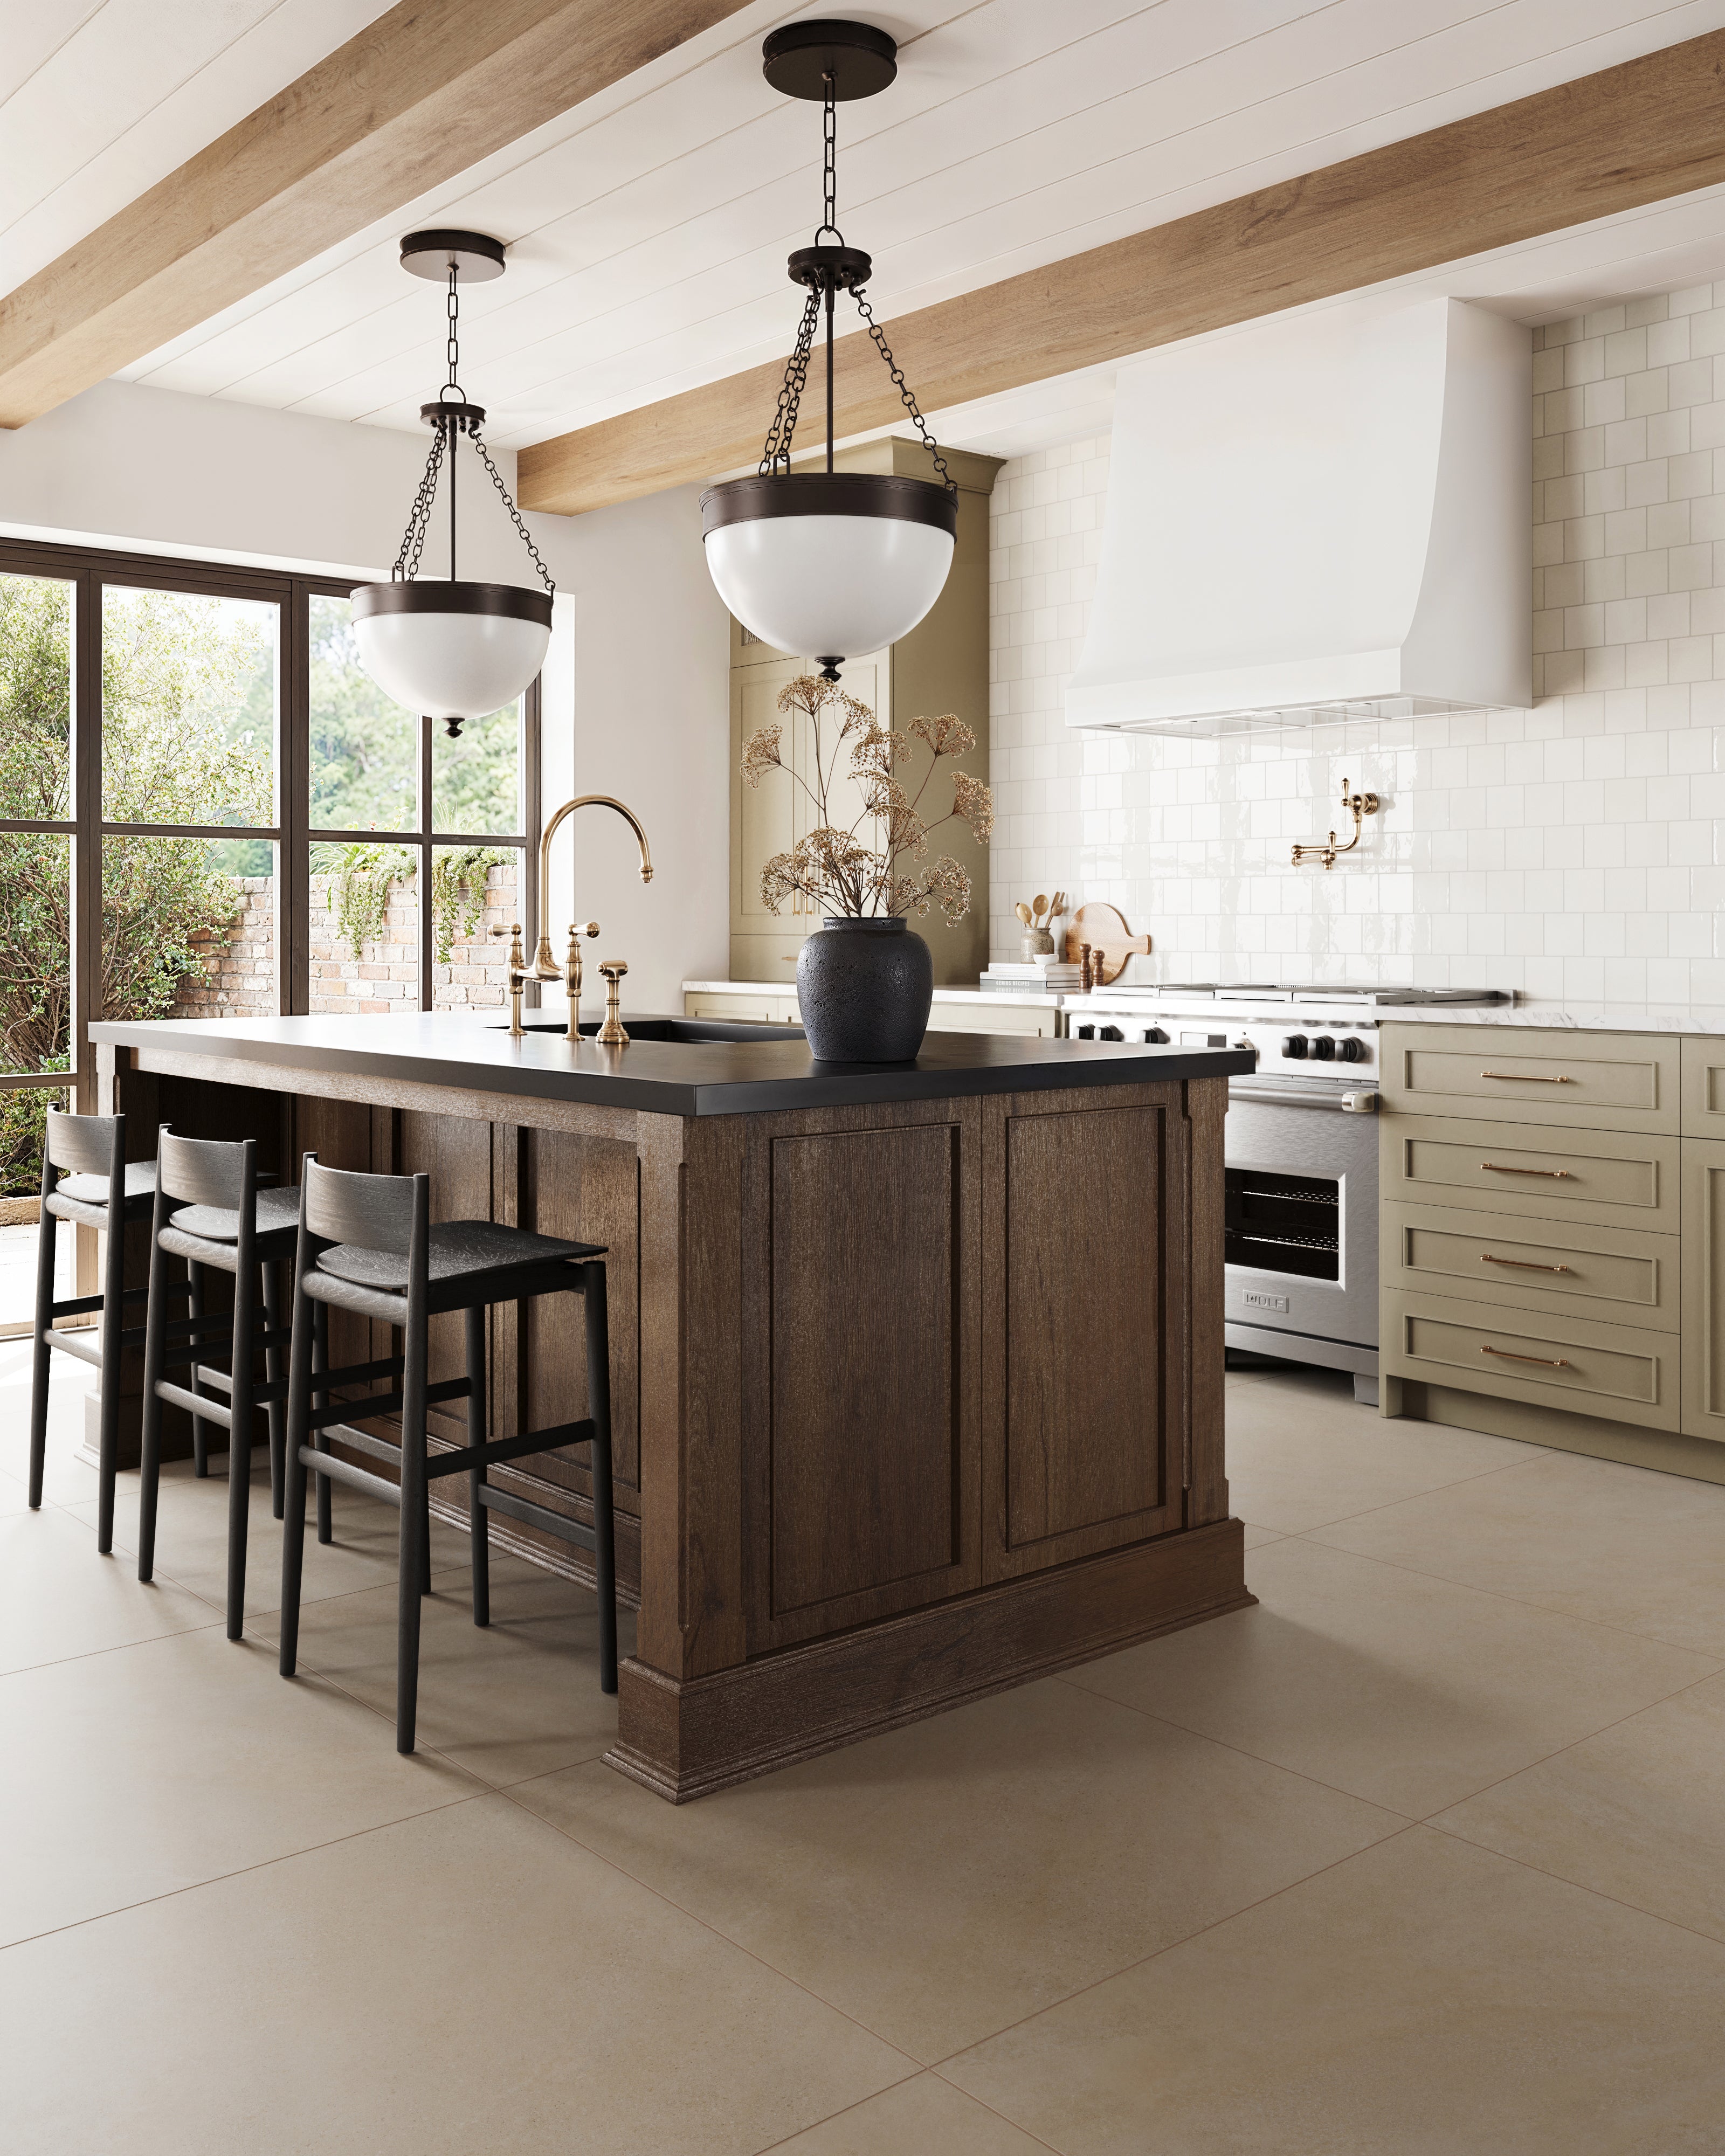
1574	851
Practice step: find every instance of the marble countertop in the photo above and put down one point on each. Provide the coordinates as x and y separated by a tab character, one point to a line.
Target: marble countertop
1589	1018
942	995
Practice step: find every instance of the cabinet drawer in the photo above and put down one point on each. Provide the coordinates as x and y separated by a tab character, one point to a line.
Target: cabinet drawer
1028	1019
1523	1171
1704	1087
763	1008
1565	1080
1618	1276
1624	1374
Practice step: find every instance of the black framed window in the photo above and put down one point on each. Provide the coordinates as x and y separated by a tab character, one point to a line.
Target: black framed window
207	809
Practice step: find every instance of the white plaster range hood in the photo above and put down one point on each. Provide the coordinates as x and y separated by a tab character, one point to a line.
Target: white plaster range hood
1314	519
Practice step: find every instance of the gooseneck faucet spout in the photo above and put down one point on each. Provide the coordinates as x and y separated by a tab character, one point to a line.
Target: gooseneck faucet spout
545	966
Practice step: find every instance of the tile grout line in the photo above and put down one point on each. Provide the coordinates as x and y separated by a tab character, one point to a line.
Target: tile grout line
736	1945
1389	1504
845	2110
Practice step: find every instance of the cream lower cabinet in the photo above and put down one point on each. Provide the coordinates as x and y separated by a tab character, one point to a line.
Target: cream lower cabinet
1704	1287
757	1005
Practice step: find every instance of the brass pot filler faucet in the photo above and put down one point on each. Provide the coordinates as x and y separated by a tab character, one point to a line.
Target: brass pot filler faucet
611	1034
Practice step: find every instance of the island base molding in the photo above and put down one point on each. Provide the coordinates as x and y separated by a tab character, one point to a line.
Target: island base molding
1666	1451
684	1739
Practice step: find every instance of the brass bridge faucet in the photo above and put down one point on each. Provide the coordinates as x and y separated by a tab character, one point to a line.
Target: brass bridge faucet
1362	805
545	966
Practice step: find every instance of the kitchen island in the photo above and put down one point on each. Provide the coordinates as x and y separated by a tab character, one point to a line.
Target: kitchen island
916	1370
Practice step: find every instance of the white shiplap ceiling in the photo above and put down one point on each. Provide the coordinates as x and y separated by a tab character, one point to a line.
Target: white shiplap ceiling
648	230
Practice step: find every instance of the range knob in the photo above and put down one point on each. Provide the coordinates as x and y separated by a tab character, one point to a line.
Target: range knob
1324	1048
1086	1032
1352	1049
1296	1045
1155	1036
1109	1033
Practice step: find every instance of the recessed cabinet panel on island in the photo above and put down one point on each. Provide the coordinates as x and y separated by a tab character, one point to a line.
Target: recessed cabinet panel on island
916	1370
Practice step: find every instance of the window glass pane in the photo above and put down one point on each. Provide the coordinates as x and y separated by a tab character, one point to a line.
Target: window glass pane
365	750
476	780
182	936
189	702
21	1122
35	697
474	890
365	927
35	951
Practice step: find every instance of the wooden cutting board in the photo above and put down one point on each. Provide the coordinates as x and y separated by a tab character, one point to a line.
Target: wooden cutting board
1111	942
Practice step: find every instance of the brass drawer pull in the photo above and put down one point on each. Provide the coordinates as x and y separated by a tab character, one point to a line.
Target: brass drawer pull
1555	1174
1545	1362
1520	1265
1526	1078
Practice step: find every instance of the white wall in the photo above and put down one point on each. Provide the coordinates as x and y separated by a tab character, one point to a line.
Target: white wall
1575	852
635	701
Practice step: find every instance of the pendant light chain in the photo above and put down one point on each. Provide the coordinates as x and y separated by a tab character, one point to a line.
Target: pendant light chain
829	164
907	394
782	425
460	418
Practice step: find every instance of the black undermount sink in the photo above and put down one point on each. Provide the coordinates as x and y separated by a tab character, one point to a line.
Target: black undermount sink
692	1031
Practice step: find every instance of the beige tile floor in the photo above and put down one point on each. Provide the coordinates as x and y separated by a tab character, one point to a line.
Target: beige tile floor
1422	1856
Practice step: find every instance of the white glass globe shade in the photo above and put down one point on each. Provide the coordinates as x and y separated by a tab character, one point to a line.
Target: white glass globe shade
457	663
828	565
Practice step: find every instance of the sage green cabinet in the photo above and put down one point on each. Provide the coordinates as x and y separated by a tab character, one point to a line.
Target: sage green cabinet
942	665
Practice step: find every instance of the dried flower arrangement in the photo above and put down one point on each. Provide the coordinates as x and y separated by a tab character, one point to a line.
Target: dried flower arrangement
831	867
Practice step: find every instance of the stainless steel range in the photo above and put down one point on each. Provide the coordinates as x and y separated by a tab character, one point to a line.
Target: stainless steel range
1301	1150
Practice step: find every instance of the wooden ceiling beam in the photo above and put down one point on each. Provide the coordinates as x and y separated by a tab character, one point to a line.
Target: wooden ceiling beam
1639	133
418	97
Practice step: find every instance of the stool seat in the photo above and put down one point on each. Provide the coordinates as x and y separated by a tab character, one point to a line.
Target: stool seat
83	1198
457	1247
217	1223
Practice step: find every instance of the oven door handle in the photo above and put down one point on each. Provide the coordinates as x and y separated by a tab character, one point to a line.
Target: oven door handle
1364	1102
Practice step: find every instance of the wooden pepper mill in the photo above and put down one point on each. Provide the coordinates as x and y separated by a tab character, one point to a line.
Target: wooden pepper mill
1085	980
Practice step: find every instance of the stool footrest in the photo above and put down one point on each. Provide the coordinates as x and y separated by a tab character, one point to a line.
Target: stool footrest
200	1403
73	1344
358	1374
470	1456
362	1441
448	1388
356	1478
537	1516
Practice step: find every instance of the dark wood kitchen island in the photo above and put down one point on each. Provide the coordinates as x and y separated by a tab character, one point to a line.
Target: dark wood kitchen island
916	1370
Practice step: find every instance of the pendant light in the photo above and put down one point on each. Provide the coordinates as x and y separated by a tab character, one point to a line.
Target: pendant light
456	650
831	564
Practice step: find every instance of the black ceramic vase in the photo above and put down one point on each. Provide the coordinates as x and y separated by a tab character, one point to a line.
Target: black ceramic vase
864	988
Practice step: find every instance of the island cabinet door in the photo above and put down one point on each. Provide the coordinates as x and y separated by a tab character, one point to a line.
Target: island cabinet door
1085	1322
860	1316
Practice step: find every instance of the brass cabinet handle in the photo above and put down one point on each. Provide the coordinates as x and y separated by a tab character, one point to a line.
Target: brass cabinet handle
1545	1362
1555	1174
1520	1265
1526	1078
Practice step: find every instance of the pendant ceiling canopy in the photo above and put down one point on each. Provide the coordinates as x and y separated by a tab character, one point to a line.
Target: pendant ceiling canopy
455	651
829	564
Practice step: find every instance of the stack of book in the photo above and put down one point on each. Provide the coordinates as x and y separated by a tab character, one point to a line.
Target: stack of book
1033	976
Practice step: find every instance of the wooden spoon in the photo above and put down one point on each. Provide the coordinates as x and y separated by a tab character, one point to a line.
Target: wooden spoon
1023	913
1041	903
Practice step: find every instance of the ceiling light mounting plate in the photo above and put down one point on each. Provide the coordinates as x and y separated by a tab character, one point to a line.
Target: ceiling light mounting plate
798	58
846	267
433	254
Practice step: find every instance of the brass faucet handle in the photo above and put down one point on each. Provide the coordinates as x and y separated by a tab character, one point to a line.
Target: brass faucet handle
518	956
517	975
611	1034
581	928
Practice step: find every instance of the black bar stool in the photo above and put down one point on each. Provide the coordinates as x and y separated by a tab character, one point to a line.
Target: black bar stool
83	1161
367	1244
209	1211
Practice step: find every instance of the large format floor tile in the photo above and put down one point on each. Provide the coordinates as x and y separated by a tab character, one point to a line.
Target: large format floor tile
1634	1812
1410	1691
926	2117
520	1698
1424	1998
946	1878
137	1773
192	1537
1620	1545
59	1598
1301	1452
67	1480
466	1981
14	1494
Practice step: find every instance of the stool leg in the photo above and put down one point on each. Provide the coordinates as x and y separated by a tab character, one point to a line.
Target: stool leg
272	1371
320	1361
239	1447
200	1427
412	1508
599	1406
479	1519
300	1359
42	1355
150	1447
113	1320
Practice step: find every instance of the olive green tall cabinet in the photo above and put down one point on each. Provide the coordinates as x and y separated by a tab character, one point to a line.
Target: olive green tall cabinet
942	665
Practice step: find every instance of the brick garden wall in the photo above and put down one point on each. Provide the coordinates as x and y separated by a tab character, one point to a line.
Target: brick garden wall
239	977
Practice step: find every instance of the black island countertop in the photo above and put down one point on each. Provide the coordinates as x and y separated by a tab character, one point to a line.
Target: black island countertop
703	1068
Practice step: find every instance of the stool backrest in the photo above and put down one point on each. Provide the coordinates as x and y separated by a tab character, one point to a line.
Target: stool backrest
374	1211
83	1145
205	1171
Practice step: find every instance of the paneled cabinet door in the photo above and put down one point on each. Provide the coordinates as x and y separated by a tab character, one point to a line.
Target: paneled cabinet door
1704	1287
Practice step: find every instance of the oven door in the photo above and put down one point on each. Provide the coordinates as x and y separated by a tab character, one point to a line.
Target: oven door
1301	1234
